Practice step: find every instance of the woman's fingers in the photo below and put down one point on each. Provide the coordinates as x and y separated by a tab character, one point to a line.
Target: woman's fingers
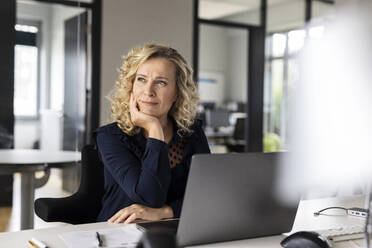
114	217
133	109
136	115
137	211
131	218
120	216
128	214
124	216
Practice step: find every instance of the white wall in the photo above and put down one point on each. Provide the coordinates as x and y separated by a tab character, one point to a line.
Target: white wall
213	42
238	65
129	23
224	50
213	63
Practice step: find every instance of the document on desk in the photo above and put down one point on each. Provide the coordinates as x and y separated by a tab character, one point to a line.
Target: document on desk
120	237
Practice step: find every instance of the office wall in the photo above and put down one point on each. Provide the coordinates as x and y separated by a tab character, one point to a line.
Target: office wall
128	23
224	50
213	43
213	62
238	65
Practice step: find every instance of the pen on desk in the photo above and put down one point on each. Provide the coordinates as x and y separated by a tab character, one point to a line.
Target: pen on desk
37	243
32	245
99	239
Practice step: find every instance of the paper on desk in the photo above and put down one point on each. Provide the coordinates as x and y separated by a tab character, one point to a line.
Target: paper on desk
120	237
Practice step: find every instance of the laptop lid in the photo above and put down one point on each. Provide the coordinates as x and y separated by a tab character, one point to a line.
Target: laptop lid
233	196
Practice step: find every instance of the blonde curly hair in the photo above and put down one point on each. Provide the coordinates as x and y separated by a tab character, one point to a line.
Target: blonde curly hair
183	110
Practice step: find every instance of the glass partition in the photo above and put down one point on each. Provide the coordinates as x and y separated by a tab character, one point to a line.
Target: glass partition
52	80
222	82
51	75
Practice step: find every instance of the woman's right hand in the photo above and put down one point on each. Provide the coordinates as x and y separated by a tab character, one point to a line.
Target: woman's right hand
150	123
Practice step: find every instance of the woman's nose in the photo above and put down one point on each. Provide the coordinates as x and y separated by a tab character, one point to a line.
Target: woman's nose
149	90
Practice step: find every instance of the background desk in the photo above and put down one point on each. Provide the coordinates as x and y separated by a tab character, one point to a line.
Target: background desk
27	162
305	220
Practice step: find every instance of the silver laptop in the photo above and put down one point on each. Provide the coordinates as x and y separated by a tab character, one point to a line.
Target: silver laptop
230	197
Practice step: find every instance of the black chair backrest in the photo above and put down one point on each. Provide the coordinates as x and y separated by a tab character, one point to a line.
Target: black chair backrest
91	187
239	130
84	205
92	180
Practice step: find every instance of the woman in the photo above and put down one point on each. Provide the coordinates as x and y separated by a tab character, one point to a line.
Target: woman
147	151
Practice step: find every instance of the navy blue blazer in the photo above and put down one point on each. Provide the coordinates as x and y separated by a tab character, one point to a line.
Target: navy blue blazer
136	169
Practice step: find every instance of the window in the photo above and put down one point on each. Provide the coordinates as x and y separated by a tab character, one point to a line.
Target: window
26	72
282	70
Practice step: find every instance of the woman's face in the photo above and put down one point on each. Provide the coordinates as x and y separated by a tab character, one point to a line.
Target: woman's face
155	87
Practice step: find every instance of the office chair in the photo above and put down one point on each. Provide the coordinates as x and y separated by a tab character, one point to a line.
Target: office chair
84	205
237	144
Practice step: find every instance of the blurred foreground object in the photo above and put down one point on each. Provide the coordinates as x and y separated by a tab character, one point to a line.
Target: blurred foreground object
331	129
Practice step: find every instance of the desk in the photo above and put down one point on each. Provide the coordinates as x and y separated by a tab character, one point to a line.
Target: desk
50	237
305	220
219	137
27	162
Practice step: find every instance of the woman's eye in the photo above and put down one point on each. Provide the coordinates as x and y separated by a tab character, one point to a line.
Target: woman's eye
141	79
162	83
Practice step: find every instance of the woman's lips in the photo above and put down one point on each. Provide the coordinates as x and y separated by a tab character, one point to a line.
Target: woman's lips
149	103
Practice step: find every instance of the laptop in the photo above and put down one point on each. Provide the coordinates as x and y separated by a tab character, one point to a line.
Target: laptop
230	197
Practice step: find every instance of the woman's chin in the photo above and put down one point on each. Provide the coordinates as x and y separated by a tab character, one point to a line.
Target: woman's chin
148	112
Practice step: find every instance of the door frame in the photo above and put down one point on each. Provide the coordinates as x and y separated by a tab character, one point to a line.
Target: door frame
255	72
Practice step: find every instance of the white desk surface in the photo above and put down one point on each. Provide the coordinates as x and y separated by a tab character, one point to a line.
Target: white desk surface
50	237
305	220
33	156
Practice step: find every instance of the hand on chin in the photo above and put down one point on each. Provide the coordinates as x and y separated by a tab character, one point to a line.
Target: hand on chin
142	118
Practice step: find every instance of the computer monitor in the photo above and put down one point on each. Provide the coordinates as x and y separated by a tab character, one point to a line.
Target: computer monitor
207	105
217	118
